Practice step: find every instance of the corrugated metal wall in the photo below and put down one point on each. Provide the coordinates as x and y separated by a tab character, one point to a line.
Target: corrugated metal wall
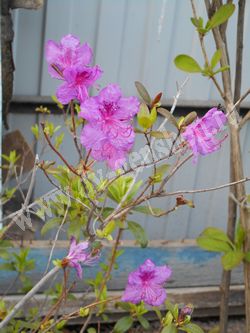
124	36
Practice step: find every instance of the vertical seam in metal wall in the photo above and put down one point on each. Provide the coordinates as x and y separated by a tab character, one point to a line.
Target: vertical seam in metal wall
42	46
125	15
170	48
145	42
96	33
70	16
40	71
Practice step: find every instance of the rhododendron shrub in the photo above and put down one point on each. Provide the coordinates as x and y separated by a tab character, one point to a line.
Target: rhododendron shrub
97	195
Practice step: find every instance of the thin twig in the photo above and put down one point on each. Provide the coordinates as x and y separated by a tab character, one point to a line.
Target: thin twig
201	38
28	296
57	152
26	202
74	129
56	237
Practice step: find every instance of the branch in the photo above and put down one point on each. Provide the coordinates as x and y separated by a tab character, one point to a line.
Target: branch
57	152
239	50
30	294
244	180
74	129
26	202
204	52
244	120
239	101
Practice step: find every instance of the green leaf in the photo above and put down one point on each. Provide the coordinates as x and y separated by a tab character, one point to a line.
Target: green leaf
232	259
91	330
168	115
220	16
134	190
54	99
160	171
216	233
123	324
188	119
147	211
51	224
170	329
161	135
144	322
123	305
75	228
35	131
145	118
61	324
214	239
109	228
216	58
138	232
222	69
192	328
197	22
142	91
59	140
187	64
118	189
240	235
213	245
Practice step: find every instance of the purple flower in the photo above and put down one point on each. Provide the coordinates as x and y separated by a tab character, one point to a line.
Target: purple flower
109	133
77	81
69	61
201	135
79	254
146	284
65	54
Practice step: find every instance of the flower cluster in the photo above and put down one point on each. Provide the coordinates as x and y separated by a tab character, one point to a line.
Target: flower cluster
201	135
79	254
69	61
109	134
146	284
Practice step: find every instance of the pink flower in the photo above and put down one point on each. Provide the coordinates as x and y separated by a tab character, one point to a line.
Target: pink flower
202	134
109	133
146	284
69	61
65	54
79	254
77	82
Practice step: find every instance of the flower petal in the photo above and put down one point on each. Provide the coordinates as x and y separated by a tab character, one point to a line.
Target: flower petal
154	295
132	295
65	93
161	274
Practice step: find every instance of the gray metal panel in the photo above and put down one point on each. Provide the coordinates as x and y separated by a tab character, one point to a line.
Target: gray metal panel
28	50
77	17
124	36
